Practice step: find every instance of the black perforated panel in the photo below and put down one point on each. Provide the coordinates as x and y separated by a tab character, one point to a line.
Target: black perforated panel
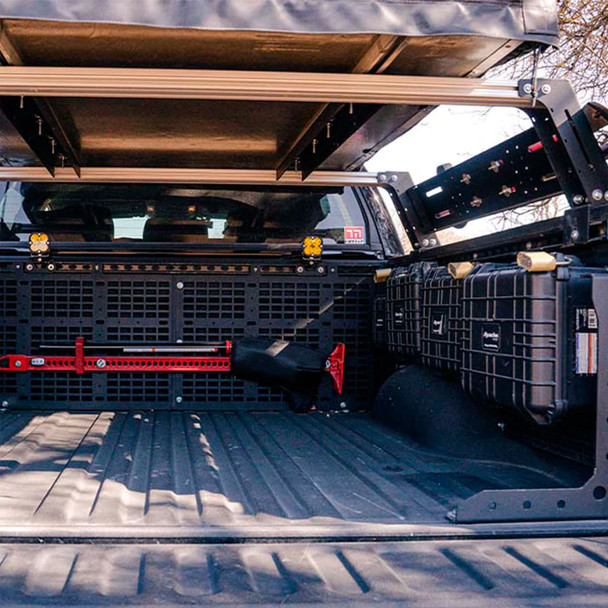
124	302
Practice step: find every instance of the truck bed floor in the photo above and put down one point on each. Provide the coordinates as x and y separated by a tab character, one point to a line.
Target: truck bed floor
192	474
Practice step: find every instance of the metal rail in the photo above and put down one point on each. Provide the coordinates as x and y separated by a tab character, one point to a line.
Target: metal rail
256	86
143	175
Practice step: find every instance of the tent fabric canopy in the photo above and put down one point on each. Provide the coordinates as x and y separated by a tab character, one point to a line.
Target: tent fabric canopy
530	20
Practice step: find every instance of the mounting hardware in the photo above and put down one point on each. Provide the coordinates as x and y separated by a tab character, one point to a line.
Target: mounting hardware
545	89
101	363
578	199
180	285
476	202
574	235
597	194
17	363
527	88
466	179
50	267
5	404
460	270
321	269
507	191
179	399
495	165
536	261
29	267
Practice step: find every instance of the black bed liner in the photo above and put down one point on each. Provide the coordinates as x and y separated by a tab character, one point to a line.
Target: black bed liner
228	475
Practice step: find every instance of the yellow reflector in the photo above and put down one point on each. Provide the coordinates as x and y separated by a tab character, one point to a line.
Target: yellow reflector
312	246
39	243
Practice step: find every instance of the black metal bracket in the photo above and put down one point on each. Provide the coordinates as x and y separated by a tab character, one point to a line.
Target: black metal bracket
37	124
588	502
567	136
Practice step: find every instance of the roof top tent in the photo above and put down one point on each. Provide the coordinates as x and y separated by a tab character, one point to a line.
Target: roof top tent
251	42
233	95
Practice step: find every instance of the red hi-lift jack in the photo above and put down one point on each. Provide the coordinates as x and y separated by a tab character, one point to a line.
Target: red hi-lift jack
218	361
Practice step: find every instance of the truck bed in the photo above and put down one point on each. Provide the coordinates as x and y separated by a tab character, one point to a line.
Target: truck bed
215	475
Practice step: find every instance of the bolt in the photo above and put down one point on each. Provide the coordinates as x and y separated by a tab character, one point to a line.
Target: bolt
433	242
5	404
101	363
574	235
382	177
343	404
179	399
425	242
528	88
180	341
321	270
17	363
50	267
597	194
29	267
180	285
528	245
606	195
578	199
393	179
300	269
545	89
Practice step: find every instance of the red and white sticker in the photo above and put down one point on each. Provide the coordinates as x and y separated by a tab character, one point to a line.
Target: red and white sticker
586	353
354	235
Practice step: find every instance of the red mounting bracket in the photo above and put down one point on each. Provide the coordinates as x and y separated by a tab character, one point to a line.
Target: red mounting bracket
335	367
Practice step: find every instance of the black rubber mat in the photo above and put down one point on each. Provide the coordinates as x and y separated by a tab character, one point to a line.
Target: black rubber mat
241	474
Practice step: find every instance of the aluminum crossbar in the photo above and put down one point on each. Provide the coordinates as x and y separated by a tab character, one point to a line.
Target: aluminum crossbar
143	175
256	86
